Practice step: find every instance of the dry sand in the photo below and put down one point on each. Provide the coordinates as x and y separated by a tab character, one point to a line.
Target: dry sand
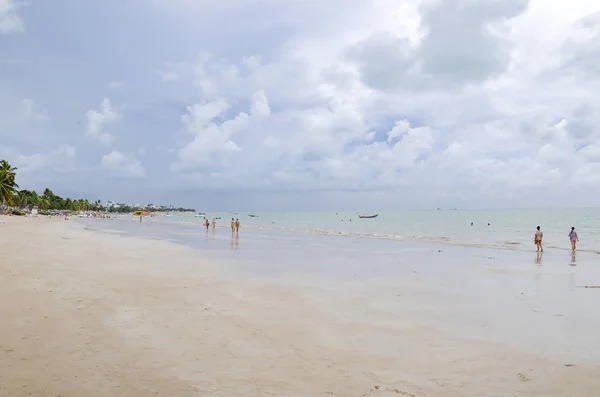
90	314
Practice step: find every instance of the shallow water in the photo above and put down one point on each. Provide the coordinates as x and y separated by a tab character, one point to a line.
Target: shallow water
535	302
507	229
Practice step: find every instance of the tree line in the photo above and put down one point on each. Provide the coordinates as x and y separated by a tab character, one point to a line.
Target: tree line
11	196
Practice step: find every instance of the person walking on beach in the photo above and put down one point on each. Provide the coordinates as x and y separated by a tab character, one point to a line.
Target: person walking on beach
207	224
537	239
232	225
214	224
237	225
574	238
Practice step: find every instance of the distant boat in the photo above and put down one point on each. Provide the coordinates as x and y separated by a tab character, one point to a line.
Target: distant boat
252	216
368	216
200	215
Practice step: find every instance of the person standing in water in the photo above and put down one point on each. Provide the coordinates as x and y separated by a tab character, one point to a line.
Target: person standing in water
537	239
214	224
232	225
574	238
207	224
237	225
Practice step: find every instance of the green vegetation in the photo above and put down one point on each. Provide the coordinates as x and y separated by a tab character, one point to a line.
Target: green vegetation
49	200
8	186
11	196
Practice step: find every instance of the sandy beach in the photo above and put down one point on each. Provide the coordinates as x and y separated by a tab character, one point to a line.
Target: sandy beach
94	314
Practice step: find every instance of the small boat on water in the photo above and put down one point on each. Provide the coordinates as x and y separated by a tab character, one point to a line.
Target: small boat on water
368	216
252	216
200	215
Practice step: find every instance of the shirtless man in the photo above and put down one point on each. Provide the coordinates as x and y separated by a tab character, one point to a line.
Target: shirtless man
237	225
232	225
207	224
537	239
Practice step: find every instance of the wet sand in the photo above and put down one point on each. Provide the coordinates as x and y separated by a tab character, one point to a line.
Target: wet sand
95	314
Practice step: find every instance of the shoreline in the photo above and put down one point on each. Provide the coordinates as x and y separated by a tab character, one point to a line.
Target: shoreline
455	241
101	314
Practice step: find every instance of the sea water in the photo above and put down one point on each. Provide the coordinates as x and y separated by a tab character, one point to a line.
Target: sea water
507	229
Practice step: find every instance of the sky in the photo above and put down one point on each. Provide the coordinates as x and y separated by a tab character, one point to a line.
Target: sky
272	105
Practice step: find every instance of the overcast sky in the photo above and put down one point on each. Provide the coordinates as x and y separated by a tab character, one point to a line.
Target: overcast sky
304	105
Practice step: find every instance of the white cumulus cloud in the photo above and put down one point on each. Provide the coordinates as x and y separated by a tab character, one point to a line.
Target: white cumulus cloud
98	120
10	22
28	111
122	165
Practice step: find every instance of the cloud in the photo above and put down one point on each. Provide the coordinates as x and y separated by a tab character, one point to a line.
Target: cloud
173	71
67	151
114	84
98	120
122	165
211	145
334	136
260	105
440	56
28	111
397	103
10	22
30	165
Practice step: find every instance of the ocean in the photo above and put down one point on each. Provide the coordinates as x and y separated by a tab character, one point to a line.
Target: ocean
505	229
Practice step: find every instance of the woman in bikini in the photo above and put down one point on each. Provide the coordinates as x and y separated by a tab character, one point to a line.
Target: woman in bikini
574	238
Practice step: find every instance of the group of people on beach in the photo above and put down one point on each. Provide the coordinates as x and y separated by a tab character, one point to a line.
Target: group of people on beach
235	225
539	236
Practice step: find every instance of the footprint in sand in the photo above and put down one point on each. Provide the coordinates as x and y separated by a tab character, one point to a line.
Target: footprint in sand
522	377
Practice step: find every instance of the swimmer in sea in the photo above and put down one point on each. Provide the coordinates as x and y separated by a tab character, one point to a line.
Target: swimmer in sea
537	239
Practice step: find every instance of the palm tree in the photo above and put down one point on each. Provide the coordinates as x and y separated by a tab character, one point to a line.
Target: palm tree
8	186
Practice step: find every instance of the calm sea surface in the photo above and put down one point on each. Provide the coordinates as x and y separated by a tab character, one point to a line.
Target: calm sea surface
507	229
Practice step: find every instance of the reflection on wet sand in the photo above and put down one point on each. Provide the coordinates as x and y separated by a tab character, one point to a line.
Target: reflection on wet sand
573	263
234	241
538	258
